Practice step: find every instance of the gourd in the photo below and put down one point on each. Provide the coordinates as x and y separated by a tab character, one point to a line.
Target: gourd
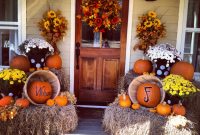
22	102
61	100
178	109
148	95
5	101
142	66
163	109
54	61
125	101
20	62
184	69
40	91
50	102
135	106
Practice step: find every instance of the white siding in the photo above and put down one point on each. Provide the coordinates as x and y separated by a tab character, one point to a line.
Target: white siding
167	10
35	10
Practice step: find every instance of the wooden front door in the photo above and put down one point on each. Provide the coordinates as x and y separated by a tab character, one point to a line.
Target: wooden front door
98	69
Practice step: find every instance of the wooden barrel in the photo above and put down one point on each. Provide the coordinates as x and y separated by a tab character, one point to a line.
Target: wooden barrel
43	75
133	87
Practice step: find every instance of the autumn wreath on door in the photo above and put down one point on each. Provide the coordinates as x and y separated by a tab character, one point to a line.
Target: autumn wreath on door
101	15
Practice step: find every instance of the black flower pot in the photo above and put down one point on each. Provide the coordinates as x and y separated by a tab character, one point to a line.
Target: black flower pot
171	100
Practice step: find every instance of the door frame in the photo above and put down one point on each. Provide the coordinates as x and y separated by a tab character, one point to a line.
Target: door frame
72	47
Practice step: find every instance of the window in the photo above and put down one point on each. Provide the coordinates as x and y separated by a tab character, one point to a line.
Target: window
11	31
190	34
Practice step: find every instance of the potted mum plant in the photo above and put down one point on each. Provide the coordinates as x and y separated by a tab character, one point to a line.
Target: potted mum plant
163	56
36	50
12	82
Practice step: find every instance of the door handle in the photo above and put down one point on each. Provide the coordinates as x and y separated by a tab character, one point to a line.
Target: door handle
77	50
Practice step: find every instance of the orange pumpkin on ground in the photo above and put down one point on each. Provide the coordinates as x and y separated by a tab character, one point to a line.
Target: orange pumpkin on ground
142	66
148	95
135	106
125	101
153	110
20	62
163	109
61	100
40	91
7	100
50	102
54	61
179	109
184	69
22	102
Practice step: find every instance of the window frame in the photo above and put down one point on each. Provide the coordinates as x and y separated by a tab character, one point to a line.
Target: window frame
20	25
182	27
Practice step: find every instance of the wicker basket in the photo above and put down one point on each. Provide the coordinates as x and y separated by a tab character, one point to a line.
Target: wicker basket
132	89
43	75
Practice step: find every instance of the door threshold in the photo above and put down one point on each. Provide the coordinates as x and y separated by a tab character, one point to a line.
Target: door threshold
92	106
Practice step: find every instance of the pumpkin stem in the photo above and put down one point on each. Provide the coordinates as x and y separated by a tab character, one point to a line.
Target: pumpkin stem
124	96
143	57
180	103
2	95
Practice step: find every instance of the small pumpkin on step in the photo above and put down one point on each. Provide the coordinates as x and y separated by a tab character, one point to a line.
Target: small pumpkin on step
179	109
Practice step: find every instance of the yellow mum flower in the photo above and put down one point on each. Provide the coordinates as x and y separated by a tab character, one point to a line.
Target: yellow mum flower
57	21
11	82
51	14
19	81
148	24
46	25
152	14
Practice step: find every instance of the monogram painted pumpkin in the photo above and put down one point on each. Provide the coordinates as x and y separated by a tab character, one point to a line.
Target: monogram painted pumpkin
142	66
20	62
148	95
54	61
184	69
40	91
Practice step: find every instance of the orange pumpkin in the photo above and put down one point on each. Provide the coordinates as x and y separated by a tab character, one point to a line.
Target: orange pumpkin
125	101
40	91
184	69
153	110
22	102
142	66
178	109
163	109
54	61
50	102
61	100
148	95
20	62
7	100
135	106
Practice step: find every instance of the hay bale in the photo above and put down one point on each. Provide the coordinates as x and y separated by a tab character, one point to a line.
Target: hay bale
41	120
125	121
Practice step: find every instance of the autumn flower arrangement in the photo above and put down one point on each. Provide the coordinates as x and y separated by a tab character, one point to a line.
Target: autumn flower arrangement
149	30
101	14
53	27
12	82
176	85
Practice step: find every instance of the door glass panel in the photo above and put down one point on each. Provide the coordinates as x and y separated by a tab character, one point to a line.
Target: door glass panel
193	17
8	10
110	38
192	49
8	42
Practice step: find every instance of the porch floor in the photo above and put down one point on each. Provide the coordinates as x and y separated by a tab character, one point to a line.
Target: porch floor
90	122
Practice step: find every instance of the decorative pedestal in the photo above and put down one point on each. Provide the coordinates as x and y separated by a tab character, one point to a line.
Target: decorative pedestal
41	120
